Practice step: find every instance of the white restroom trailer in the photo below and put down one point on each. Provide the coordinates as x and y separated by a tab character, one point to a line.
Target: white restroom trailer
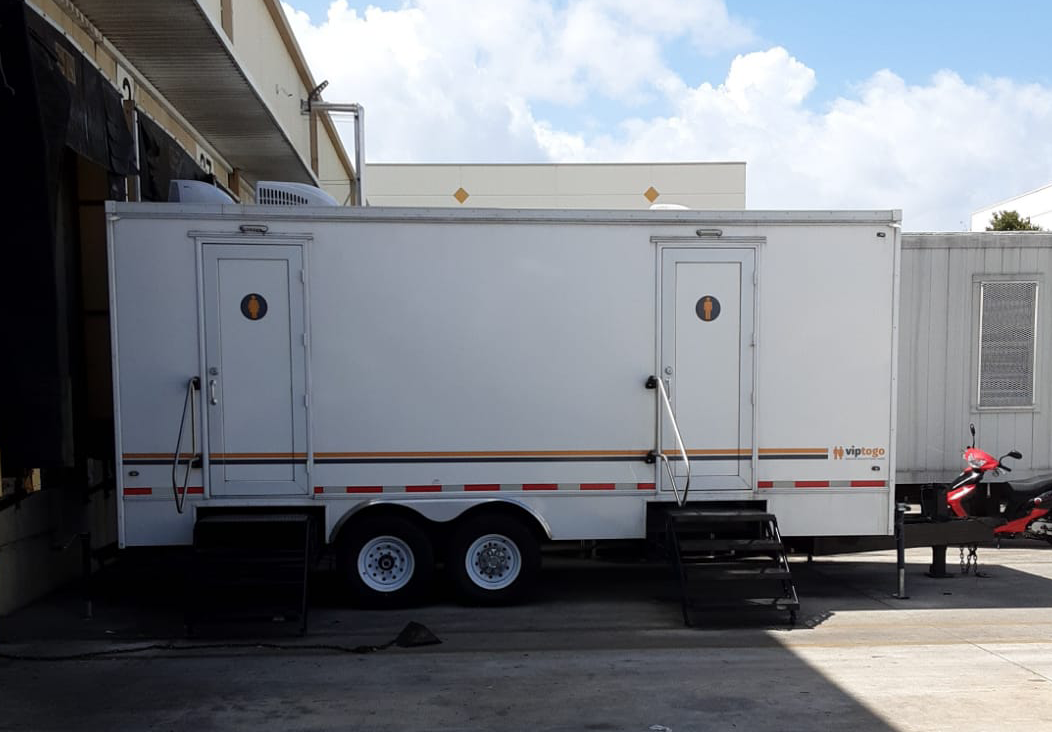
441	382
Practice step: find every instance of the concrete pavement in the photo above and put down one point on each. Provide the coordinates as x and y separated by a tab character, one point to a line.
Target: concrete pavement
601	648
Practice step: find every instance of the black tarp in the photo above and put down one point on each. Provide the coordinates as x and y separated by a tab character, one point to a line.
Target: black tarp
53	100
162	160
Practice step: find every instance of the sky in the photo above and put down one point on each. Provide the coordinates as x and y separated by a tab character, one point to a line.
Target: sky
936	107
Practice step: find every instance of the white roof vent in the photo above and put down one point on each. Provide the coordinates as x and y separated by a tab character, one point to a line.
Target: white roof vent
276	193
195	191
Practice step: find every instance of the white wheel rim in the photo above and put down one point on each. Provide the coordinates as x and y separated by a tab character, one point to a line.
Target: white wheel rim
386	564
493	561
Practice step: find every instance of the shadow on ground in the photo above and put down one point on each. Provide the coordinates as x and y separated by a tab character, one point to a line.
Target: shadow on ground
142	596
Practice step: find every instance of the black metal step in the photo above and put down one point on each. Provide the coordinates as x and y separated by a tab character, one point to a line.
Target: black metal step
250	567
709	573
729	558
750	603
717	516
735	545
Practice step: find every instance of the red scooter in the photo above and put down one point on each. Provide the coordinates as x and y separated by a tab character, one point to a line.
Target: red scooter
1029	502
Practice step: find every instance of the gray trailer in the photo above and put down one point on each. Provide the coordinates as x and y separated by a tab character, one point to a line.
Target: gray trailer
972	349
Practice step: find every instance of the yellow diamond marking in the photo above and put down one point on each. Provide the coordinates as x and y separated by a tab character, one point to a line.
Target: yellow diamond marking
651	194
461	195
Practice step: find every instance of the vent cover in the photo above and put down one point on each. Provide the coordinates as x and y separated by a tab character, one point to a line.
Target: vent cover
275	193
1007	330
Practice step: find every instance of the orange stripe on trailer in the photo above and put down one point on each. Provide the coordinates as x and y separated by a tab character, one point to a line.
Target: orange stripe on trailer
423	489
483	487
138	491
597	486
364	489
250	455
540	486
793	450
483	453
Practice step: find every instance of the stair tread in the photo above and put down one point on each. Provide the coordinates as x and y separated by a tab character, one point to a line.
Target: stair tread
712	515
735	544
707	572
781	603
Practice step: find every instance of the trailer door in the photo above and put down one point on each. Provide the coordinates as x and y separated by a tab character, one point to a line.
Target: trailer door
706	362
255	387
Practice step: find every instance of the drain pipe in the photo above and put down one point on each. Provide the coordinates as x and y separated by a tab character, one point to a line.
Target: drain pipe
312	106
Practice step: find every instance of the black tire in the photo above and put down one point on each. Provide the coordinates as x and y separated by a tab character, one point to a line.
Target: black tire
386	561
514	552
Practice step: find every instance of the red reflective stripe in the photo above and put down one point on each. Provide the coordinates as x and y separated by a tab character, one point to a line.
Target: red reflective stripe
318	489
812	484
138	491
868	484
365	489
483	487
423	489
597	486
194	489
765	484
644	486
540	486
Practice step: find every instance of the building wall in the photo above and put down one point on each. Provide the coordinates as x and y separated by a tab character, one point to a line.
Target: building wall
267	51
265	56
606	186
38	551
1037	205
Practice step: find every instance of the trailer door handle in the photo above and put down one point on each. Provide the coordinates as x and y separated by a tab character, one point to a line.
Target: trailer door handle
212	392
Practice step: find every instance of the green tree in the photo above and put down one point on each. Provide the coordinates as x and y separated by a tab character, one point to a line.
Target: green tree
1011	221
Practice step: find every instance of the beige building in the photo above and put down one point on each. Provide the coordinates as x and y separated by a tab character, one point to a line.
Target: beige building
112	100
557	185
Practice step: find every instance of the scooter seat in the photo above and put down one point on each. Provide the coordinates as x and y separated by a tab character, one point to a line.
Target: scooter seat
1031	486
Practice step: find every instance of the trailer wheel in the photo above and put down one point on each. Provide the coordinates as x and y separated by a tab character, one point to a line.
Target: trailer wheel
386	561
493	559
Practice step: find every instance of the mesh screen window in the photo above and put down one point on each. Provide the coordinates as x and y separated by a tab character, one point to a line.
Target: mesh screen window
1007	335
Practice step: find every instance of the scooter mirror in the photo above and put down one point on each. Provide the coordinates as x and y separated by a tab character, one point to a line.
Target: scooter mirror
1016	454
971	428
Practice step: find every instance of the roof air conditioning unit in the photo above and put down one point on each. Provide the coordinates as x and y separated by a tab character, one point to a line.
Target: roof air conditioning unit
276	193
196	191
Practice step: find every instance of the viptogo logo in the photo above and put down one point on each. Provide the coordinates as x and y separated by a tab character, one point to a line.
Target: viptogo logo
841	452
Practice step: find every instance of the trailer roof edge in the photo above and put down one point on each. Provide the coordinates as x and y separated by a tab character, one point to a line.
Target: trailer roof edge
496	215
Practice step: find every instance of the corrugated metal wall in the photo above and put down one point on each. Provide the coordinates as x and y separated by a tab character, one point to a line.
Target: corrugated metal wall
938	353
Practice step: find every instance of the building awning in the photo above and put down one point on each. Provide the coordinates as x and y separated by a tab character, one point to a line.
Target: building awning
178	49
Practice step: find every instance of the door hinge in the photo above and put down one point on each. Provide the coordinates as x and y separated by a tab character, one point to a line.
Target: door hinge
306	400
752	398
303	276
755	278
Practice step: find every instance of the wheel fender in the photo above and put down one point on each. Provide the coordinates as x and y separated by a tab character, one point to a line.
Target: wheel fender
439	511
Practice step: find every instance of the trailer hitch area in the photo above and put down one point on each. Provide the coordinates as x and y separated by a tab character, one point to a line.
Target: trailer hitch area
651	383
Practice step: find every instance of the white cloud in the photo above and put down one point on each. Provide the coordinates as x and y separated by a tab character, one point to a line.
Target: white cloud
463	80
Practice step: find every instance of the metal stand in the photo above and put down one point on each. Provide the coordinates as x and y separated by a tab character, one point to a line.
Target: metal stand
900	548
937	569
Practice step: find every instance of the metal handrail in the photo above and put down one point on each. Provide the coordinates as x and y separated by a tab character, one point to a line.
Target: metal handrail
660	386
188	403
